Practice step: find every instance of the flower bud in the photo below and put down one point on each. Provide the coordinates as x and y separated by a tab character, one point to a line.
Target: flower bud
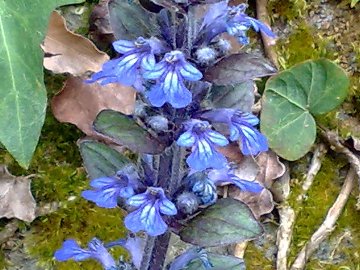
187	203
158	123
205	55
223	46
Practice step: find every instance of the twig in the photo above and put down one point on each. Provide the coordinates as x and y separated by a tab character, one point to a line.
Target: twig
269	43
328	225
337	146
315	166
284	234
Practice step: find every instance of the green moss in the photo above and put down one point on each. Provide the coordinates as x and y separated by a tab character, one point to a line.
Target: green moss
59	176
288	10
255	259
312	212
303	44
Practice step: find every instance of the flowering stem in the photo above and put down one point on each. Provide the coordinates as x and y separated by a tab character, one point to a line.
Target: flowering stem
169	174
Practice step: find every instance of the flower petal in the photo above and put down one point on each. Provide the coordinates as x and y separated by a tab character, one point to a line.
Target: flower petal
187	139
216	138
158	70
102	182
106	198
138	200
189	72
252	141
156	95
152	221
133	221
71	250
166	207
247	185
101	254
148	62
176	92
124	46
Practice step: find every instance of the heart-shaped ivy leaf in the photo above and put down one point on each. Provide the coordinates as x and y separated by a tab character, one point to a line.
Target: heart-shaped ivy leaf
101	160
239	68
226	222
292	97
123	130
218	262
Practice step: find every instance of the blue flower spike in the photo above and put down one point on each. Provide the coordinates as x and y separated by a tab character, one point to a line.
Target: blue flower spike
203	141
227	175
170	73
137	57
233	20
107	190
241	125
238	23
150	205
96	250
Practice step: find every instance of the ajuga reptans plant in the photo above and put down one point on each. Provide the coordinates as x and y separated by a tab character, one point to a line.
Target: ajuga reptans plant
185	126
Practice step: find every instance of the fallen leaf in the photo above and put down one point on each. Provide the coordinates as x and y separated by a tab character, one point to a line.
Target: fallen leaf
281	187
67	52
79	103
16	199
232	152
260	203
271	168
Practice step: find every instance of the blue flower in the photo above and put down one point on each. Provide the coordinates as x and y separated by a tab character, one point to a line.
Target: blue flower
134	245
150	205
137	57
241	125
107	190
221	18
203	187
182	261
170	74
203	141
238	23
227	175
96	250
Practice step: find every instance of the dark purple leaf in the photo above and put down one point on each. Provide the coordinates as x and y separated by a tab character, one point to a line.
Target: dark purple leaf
130	20
123	130
238	68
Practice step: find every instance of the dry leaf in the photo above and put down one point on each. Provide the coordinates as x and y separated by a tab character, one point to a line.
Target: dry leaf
281	187
232	152
67	52
260	203
270	168
16	199
78	103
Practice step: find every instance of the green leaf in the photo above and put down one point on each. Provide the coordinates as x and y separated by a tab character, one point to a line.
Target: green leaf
354	2
100	159
239	68
22	91
226	222
129	20
219	262
239	96
123	130
290	100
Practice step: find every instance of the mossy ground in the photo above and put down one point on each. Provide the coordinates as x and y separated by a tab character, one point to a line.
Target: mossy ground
60	177
306	42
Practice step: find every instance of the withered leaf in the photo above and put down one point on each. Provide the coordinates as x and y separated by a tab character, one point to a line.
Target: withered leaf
79	103
16	199
271	168
260	203
67	52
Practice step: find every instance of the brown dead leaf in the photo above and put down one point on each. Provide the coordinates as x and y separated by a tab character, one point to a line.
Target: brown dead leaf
78	103
271	168
16	199
260	203
67	52
232	152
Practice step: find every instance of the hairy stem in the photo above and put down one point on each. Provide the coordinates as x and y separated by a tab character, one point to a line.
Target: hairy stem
169	175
